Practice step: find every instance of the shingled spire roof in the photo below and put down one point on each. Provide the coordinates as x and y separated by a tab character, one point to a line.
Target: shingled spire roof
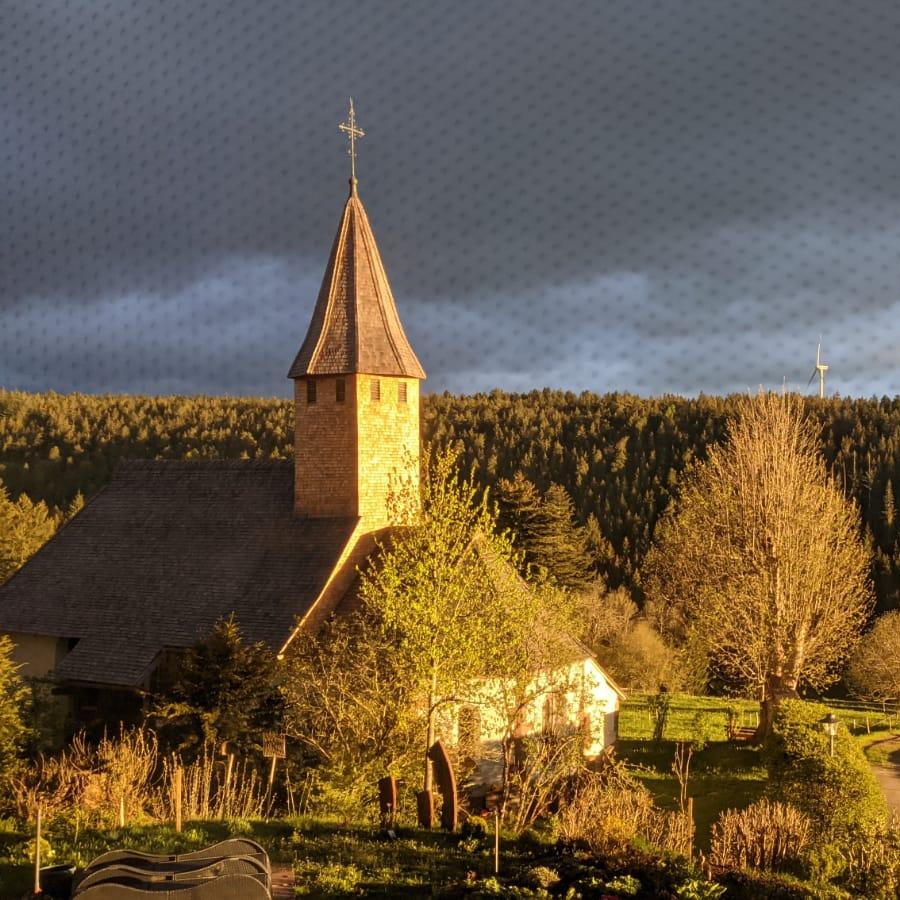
355	326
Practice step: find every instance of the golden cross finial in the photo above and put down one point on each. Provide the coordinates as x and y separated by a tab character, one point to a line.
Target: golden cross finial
353	131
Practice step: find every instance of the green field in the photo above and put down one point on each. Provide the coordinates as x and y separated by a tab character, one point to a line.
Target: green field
727	774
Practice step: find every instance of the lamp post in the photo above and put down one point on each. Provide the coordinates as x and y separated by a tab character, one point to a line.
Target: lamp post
830	724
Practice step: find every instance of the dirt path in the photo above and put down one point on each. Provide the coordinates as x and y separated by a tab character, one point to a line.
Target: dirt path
282	881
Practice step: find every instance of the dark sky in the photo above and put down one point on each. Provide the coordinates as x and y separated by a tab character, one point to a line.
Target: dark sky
644	196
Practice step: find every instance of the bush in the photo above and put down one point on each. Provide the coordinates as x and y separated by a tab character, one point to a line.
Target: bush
609	811
853	844
765	835
837	792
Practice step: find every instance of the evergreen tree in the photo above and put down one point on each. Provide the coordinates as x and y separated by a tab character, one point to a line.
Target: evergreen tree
24	528
13	697
888	509
545	531
226	690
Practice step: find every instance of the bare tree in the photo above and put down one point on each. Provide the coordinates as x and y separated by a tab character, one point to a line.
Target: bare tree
761	564
874	671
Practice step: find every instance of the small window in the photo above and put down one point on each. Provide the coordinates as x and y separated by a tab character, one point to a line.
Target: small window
311	390
375	389
401	392
340	390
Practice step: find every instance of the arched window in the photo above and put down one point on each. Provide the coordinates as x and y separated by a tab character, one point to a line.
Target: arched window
555	713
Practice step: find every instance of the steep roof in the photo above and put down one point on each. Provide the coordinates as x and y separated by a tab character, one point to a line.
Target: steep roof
355	326
162	553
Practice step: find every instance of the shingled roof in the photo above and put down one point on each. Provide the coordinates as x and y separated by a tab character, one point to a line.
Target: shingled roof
162	553
355	326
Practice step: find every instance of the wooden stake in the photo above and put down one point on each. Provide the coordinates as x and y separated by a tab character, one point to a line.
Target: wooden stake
497	842
690	814
37	852
228	767
271	782
122	811
177	789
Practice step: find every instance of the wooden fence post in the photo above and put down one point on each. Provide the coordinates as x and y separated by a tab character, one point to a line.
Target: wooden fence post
177	789
37	852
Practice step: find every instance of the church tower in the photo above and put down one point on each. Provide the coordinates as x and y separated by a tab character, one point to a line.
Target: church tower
356	381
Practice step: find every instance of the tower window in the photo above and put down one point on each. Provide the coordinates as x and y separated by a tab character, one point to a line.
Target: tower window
340	390
401	392
311	390
375	389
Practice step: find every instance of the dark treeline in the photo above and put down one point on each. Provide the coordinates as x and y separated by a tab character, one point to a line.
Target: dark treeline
619	456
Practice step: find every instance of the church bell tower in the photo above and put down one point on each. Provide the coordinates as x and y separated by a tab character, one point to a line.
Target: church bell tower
356	381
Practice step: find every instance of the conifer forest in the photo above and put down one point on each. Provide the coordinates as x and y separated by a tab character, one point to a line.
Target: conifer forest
619	456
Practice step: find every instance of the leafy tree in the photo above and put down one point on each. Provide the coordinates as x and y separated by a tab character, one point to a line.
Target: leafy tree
874	670
225	690
348	704
446	593
24	528
761	564
631	649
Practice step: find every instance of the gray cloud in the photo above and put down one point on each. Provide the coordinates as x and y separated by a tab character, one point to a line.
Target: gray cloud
643	196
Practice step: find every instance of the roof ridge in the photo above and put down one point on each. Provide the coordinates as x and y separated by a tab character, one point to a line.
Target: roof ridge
138	464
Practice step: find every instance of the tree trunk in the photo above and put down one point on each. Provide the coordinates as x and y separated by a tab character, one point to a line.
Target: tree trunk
778	687
427	779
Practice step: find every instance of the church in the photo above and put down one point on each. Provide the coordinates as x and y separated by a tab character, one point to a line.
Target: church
168	548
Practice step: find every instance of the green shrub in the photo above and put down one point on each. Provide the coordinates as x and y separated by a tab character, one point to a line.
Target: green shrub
836	792
330	879
699	889
747	884
540	877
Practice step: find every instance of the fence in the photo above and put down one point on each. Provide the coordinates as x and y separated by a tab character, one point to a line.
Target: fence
713	718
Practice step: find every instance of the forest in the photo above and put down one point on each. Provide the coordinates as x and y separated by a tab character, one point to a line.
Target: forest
619	456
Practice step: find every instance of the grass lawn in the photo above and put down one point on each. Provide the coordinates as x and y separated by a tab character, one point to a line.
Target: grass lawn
882	747
689	717
332	860
724	775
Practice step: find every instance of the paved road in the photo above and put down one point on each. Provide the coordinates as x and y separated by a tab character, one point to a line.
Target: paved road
889	777
282	882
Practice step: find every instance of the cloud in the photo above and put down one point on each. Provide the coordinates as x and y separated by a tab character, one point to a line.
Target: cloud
634	195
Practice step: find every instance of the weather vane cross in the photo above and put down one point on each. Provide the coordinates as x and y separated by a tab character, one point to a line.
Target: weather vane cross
353	131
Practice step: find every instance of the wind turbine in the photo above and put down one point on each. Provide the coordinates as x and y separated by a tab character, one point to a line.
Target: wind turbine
820	369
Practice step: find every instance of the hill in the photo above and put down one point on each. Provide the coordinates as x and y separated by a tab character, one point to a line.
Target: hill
619	456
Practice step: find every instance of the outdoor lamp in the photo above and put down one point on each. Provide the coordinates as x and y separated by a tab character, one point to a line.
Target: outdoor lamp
830	724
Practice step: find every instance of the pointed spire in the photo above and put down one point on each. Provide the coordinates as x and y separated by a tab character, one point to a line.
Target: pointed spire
355	327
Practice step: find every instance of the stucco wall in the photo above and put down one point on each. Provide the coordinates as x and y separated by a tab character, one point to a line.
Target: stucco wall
37	653
582	695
